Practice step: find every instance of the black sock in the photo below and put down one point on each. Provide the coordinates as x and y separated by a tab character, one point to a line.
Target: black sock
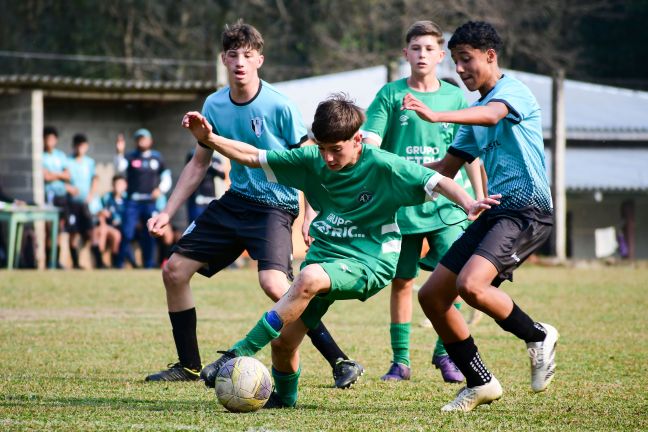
184	335
113	259
97	256
74	254
323	341
465	355
522	326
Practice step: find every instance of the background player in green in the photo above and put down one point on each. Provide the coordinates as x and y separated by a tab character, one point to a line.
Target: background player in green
356	190
440	221
504	128
253	215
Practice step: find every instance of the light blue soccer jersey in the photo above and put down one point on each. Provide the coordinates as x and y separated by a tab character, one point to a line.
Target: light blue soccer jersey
512	150
81	174
269	122
55	162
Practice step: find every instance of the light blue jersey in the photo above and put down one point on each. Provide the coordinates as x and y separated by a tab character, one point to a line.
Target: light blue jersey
55	162
512	150
81	174
270	122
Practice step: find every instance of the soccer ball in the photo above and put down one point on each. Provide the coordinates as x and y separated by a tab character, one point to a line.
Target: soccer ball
243	384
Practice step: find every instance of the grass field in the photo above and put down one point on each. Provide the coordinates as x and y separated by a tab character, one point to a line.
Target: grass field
75	347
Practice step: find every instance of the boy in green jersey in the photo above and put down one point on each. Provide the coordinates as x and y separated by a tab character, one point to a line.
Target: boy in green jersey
440	221
356	190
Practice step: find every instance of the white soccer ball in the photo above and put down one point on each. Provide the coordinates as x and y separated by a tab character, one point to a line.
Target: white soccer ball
243	384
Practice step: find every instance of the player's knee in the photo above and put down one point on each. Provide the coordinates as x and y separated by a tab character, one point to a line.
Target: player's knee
429	302
309	282
470	289
172	275
402	285
273	286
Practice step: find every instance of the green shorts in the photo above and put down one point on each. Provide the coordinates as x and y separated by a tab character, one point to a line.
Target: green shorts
439	241
350	280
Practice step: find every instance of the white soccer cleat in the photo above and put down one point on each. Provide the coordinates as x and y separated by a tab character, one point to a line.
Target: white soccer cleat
470	398
542	356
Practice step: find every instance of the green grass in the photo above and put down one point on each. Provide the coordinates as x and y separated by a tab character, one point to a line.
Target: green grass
75	347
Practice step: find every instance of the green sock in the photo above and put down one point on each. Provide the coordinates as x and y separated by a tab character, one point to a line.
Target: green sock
400	338
286	385
260	335
439	348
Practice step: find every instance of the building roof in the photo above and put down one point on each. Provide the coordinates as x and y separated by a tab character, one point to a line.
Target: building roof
618	169
72	83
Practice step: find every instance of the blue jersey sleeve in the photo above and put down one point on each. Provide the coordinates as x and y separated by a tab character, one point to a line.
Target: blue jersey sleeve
465	145
291	126
518	99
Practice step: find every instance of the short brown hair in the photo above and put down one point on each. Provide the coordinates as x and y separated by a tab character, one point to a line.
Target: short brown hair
241	35
424	28
337	119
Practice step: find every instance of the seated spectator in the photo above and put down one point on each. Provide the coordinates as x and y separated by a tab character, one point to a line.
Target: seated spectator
107	232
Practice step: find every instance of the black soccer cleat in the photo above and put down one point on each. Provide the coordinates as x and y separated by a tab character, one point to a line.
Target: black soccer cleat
346	372
175	372
275	402
209	372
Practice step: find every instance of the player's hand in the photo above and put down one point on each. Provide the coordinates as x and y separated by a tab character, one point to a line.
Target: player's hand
308	240
155	194
120	144
410	102
71	190
157	225
197	125
484	204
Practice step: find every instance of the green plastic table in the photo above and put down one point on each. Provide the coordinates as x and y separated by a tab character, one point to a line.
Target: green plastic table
16	217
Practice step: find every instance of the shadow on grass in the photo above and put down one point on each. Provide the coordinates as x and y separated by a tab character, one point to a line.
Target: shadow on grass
113	403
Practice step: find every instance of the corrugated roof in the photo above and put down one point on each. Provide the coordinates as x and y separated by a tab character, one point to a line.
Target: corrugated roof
617	169
72	83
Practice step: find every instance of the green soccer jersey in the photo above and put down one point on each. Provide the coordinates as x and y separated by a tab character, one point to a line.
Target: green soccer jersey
357	205
405	134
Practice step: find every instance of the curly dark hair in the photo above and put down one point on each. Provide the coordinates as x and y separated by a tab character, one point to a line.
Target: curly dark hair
241	35
478	34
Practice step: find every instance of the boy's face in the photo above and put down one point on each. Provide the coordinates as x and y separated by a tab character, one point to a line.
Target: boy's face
119	186
144	143
474	66
423	53
242	65
81	149
49	142
342	153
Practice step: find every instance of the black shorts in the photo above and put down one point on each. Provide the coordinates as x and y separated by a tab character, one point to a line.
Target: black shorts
79	219
231	225
504	237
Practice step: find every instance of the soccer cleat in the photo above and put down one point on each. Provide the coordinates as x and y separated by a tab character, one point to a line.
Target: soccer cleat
175	372
346	372
209	372
275	402
469	398
449	371
397	372
542	356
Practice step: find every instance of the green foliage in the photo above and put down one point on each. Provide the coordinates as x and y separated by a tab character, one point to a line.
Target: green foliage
76	346
588	38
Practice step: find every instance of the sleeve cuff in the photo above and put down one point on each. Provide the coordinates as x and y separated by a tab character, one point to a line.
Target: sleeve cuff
372	136
461	154
430	185
513	115
263	161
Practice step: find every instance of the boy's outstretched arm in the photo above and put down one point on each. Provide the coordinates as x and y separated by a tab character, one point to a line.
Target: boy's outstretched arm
201	129
455	193
487	115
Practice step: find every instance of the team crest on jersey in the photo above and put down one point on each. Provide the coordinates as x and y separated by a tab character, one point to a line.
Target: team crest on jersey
257	126
154	164
365	197
403	119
